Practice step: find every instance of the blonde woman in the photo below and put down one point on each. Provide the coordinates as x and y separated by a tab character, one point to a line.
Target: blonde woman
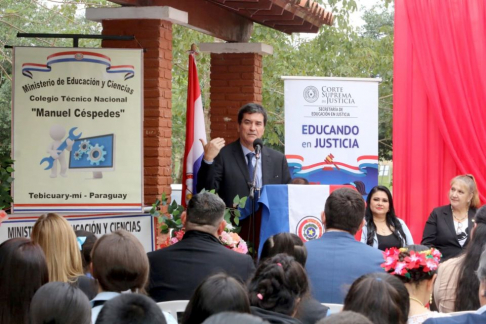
58	240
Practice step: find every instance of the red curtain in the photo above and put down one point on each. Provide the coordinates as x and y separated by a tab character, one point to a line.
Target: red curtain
439	117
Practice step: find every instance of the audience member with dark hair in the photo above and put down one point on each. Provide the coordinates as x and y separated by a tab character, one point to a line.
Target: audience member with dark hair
234	318
298	180
379	296
86	240
60	303
416	267
309	310
336	259
287	243
474	317
345	317
119	264
56	237
277	288
456	277
23	270
216	294
131	309
448	227
198	255
383	229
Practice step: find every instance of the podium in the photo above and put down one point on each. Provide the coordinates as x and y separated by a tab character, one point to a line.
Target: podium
288	208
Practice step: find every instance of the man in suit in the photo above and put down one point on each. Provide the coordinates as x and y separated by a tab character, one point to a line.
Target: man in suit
176	271
471	318
227	168
336	259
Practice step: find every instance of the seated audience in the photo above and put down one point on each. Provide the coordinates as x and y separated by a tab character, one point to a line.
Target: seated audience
416	267
198	255
336	259
380	297
310	310
56	237
60	303
120	264
456	277
448	227
218	293
383	229
234	318
277	288
346	317
475	317
23	270
131	309
86	240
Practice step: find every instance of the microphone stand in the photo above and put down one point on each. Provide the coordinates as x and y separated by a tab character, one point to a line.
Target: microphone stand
253	187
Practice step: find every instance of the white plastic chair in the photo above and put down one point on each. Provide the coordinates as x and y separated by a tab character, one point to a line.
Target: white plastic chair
173	307
334	308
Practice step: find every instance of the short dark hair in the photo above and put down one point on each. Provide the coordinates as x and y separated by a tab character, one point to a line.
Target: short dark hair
346	317
216	294
120	262
287	243
344	210
86	248
379	296
131	309
299	180
278	284
60	302
205	209
252	108
23	270
234	318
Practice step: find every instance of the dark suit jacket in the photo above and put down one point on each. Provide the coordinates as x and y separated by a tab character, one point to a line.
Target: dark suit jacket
334	261
229	176
439	232
176	271
471	318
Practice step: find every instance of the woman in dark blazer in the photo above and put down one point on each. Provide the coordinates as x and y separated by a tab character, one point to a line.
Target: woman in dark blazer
448	227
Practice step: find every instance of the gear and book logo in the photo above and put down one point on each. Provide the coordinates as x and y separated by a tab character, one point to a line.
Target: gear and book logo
309	228
311	94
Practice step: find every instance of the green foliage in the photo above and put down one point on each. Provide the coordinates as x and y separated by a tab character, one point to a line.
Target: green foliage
5	181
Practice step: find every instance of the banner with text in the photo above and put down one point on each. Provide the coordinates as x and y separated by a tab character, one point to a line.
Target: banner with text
331	130
77	130
141	226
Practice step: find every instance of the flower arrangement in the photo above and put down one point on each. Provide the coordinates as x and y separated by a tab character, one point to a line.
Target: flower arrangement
401	261
172	231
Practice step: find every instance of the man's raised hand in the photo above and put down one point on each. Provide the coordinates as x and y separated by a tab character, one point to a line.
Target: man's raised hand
211	149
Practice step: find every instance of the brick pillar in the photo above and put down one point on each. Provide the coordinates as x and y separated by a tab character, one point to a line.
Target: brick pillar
236	79
155	36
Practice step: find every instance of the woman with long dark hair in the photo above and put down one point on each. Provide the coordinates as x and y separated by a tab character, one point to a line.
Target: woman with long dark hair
277	288
218	293
381	297
457	280
383	229
23	270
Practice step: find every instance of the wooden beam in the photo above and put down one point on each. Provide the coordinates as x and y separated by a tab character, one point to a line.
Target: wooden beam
209	18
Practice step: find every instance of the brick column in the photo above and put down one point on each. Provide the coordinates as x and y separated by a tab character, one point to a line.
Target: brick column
155	36
236	79
152	28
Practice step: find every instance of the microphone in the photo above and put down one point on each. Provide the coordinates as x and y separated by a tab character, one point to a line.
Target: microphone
257	145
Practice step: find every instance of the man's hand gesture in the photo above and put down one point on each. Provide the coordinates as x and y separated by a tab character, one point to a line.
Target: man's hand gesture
211	149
